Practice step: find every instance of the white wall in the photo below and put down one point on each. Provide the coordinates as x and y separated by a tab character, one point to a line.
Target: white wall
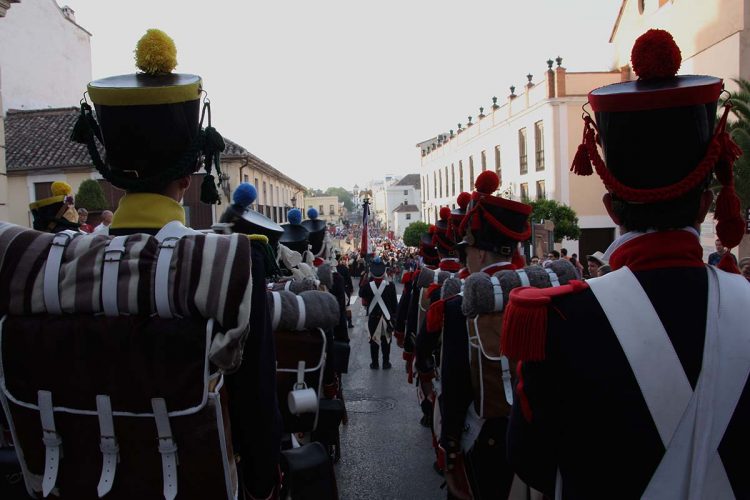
45	58
401	222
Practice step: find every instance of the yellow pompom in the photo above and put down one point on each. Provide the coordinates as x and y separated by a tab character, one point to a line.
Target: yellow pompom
258	237
60	188
156	53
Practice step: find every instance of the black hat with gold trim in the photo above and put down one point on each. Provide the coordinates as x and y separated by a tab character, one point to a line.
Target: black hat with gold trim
57	212
151	124
246	220
318	230
296	236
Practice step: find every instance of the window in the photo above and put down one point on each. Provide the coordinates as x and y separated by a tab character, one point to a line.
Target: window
331	210
498	164
447	193
541	193
406	202
265	199
471	172
320	210
434	184
245	178
539	146
522	151
453	180
42	190
484	161
427	186
406	192
408	216
461	176
641	6
440	181
524	192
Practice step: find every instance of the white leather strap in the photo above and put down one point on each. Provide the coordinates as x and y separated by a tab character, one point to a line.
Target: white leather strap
553	279
507	385
377	298
497	292
52	271
436	277
302	313
649	351
288	285
107	444
112	256
161	278
523	277
167	448
276	310
51	440
300	376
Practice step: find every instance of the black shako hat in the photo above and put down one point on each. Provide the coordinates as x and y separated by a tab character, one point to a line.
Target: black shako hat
427	247
295	236
317	230
494	223
442	238
247	221
377	268
150	124
659	135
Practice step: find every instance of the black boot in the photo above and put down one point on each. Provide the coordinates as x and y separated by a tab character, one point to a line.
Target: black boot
374	355
386	348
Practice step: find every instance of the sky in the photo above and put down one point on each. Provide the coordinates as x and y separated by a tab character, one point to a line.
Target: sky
338	92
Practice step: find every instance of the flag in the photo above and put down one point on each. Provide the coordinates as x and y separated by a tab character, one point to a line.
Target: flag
365	222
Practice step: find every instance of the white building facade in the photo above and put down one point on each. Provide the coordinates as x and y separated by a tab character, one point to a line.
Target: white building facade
529	139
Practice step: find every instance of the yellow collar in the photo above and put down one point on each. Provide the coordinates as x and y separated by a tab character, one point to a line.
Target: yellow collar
146	211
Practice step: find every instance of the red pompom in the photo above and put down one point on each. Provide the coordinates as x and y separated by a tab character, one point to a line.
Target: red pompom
487	182
463	200
655	55
731	230
445	212
432	229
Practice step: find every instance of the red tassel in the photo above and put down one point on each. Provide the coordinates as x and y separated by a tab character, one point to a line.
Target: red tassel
524	335
435	317
518	260
582	162
728	264
731	226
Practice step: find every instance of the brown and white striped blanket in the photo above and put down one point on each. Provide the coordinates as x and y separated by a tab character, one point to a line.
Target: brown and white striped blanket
209	277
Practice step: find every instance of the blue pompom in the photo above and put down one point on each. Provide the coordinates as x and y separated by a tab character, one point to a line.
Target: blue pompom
377	260
312	213
294	216
245	195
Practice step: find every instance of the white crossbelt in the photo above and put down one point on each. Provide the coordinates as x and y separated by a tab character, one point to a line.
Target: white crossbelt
276	310
691	423
107	444
112	256
167	448
377	292
302	313
52	270
161	277
52	442
523	277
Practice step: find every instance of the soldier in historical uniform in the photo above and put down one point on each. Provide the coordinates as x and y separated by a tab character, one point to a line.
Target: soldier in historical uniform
156	137
379	297
56	212
634	385
474	448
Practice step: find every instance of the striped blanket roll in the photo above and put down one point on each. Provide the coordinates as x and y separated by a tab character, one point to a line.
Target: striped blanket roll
209	277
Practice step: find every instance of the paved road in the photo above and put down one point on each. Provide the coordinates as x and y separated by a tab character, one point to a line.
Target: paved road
386	454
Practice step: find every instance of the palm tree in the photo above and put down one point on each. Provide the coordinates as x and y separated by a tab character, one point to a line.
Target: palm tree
739	128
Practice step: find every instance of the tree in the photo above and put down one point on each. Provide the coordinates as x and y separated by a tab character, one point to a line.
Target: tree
344	196
739	129
91	196
564	218
413	233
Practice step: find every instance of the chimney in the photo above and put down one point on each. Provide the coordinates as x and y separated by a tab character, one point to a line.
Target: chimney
625	73
550	80
559	78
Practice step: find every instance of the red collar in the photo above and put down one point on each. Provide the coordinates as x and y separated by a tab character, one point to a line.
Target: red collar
450	265
661	249
463	273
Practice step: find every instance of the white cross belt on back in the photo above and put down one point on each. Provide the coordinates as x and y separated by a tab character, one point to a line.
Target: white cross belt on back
377	298
691	424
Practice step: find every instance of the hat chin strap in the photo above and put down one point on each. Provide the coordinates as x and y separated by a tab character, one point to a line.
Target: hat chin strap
720	156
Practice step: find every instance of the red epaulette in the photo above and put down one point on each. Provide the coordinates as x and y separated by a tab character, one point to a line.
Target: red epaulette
464	273
406	278
435	315
433	286
525	320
